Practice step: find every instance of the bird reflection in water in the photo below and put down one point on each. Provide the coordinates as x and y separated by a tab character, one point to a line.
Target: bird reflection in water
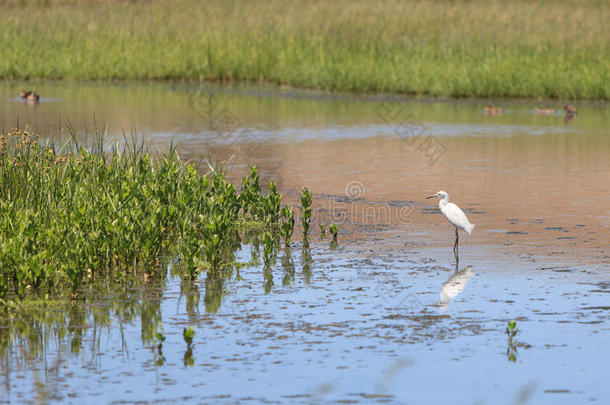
454	285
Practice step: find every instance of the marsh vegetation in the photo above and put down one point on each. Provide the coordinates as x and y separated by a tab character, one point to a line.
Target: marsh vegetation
75	214
478	48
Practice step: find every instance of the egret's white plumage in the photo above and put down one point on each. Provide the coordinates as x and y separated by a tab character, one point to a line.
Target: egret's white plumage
454	214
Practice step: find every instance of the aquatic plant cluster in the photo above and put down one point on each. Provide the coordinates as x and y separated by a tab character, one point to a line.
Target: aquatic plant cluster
485	48
74	214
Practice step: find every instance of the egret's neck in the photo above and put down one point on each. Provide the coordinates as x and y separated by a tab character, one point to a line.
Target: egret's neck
443	202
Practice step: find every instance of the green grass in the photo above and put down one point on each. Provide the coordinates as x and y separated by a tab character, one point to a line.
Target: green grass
71	217
485	48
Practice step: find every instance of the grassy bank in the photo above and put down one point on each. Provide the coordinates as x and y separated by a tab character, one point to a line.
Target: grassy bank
72	217
551	49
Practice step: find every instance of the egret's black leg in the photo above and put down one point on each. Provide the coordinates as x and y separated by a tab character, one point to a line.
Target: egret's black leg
457	238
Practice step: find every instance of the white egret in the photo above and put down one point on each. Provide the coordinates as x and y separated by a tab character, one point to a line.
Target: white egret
455	215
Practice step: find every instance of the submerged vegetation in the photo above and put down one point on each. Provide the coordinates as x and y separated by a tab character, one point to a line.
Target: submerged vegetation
74	215
476	48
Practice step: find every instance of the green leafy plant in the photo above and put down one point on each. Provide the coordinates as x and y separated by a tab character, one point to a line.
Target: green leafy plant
287	224
188	334
250	195
322	231
305	211
511	329
272	203
334	232
268	249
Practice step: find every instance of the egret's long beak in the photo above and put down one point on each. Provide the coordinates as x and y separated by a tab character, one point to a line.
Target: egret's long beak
431	196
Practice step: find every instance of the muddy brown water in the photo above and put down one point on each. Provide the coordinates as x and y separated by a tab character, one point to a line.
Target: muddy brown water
387	316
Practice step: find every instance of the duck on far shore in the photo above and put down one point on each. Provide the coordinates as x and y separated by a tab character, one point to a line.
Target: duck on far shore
546	111
33	97
569	109
491	110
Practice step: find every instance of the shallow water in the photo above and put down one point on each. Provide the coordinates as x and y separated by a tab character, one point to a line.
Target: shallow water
382	318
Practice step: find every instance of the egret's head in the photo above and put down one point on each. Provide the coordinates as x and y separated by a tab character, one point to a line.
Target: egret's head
441	194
